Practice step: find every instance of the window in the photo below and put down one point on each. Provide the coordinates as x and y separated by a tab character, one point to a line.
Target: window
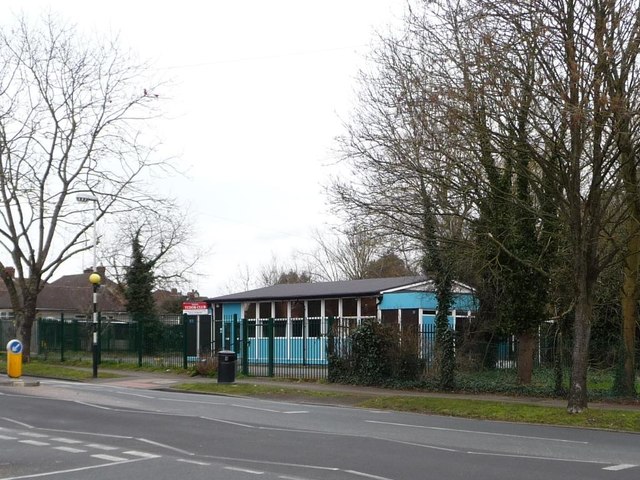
331	307
297	309
297	324
265	310
369	307
281	309
250	310
314	327
349	307
314	308
390	317
280	328
251	329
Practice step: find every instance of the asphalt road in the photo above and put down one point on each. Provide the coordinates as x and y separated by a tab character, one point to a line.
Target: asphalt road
106	431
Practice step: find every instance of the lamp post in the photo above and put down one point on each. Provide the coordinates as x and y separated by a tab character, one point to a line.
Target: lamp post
84	198
94	279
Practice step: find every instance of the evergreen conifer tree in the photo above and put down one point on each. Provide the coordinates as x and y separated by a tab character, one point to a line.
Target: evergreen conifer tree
139	285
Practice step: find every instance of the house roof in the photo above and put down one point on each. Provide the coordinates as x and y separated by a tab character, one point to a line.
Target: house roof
349	288
74	293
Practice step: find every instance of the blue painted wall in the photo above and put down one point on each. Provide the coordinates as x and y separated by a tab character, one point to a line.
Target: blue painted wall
425	300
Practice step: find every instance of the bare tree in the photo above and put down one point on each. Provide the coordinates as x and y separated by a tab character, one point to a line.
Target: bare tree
502	115
344	255
72	121
165	238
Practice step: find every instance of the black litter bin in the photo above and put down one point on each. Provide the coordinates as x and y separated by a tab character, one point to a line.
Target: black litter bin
226	366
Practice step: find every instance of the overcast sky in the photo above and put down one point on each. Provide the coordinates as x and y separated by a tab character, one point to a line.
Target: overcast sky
258	93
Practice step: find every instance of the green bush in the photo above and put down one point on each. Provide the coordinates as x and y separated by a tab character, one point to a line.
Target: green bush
376	354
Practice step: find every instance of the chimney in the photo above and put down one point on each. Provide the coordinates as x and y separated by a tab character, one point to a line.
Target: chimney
101	270
10	272
87	270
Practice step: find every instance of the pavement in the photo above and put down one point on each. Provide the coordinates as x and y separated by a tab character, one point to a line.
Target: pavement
169	380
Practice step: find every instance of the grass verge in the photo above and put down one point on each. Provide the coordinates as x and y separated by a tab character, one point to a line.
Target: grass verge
37	368
623	420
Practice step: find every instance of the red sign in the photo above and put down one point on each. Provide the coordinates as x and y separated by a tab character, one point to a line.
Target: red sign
195	308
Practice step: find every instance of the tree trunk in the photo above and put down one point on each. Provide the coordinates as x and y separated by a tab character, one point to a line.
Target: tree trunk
626	381
526	350
578	396
25	326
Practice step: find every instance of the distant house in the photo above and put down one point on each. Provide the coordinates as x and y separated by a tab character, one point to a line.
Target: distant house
301	311
72	296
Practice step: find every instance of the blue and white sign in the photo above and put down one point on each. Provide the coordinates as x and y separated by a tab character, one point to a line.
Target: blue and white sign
14	346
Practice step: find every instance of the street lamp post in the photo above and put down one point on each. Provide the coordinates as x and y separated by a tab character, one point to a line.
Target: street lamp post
94	279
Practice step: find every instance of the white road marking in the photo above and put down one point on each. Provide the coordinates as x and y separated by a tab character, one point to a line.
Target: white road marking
109	458
455	430
70	441
25	425
201	402
70	449
32	435
622	466
256	408
7	437
92	405
296	411
194	462
72	470
135	395
162	445
245	470
35	443
228	422
135	453
367	475
532	457
99	446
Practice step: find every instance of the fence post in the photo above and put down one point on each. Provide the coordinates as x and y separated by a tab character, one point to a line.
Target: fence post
75	336
245	347
185	364
61	336
305	337
330	338
271	348
139	338
233	334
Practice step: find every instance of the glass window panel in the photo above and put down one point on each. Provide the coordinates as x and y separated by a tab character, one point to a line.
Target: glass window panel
250	310
297	309
331	307
349	307
369	307
280	328
314	308
314	327
265	310
281	309
296	327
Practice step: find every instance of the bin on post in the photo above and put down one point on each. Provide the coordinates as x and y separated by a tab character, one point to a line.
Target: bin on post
226	366
14	359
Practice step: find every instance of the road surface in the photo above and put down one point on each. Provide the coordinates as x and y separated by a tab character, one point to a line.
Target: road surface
105	431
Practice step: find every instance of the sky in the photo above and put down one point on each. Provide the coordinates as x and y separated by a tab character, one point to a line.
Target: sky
256	93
